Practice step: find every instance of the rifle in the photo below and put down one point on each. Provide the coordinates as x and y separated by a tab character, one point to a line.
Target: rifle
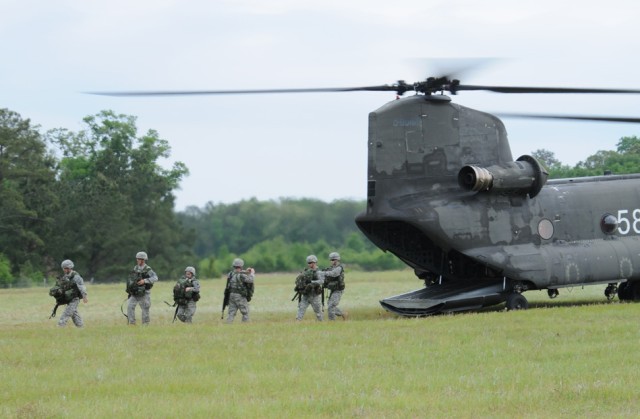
296	295
53	313
175	314
227	292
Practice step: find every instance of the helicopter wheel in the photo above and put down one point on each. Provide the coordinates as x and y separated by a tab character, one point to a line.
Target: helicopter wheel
622	291
629	291
553	293
633	291
611	291
517	301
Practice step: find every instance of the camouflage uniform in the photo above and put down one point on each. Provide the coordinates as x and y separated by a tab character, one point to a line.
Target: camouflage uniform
334	281
144	297
187	301
71	310
238	292
309	286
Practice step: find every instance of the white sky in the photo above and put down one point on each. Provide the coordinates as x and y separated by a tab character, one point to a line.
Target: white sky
310	145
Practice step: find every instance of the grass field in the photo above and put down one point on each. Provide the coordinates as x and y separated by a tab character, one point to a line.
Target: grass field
567	357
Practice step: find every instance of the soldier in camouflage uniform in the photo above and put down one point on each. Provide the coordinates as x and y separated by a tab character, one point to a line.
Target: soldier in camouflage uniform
334	282
73	281
240	285
141	280
309	288
186	293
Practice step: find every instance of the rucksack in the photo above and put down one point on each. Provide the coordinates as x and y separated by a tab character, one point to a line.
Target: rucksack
245	289
65	290
132	283
182	297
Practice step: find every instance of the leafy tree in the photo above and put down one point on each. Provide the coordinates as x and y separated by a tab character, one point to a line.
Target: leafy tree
117	199
6	278
628	145
27	198
546	158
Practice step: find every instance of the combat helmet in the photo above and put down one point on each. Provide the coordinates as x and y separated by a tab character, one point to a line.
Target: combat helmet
142	255
334	256
66	264
190	269
312	258
238	263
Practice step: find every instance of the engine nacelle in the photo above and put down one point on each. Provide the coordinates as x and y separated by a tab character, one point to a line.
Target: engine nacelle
523	176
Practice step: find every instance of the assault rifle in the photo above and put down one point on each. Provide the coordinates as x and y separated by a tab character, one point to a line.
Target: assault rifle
227	292
175	313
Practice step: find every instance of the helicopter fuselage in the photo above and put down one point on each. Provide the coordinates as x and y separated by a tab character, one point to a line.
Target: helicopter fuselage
446	197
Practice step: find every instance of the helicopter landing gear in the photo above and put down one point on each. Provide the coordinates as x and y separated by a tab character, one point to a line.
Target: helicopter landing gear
553	293
629	291
516	301
611	291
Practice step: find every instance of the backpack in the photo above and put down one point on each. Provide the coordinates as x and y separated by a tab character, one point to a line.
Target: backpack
182	297
132	282
246	289
250	288
65	290
304	284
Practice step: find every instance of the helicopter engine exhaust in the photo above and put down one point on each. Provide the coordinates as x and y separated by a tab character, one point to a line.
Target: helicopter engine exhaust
524	176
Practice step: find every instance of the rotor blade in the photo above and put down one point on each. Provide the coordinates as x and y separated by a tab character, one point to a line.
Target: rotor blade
383	88
572	117
512	89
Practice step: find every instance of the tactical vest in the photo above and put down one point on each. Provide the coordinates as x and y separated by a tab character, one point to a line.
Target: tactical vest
238	284
132	282
305	284
65	289
335	283
181	296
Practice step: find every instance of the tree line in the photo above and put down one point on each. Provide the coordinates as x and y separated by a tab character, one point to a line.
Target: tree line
96	196
99	195
624	159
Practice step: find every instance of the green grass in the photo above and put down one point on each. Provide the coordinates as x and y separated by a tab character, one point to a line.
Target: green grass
572	356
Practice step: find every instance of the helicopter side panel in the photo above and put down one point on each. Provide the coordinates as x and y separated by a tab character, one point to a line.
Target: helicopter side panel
564	264
558	238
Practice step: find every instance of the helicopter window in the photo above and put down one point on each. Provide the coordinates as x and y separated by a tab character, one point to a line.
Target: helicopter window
545	229
609	224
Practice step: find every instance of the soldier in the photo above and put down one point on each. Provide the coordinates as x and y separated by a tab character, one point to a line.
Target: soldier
139	284
334	281
186	293
72	285
309	288
240	288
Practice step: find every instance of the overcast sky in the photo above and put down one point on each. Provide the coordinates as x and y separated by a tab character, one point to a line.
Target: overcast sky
310	145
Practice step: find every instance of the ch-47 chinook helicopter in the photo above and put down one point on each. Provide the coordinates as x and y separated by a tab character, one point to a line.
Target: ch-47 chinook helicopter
445	195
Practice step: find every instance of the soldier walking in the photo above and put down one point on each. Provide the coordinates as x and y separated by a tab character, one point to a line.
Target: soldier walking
240	284
71	285
139	284
186	294
334	282
309	288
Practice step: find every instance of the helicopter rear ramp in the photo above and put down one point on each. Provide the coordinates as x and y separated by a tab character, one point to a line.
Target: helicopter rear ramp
444	298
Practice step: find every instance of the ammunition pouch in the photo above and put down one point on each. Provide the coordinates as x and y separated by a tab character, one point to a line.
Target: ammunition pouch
135	290
312	289
335	285
182	297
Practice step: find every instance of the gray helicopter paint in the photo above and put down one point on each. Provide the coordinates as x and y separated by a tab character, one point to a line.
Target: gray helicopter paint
550	241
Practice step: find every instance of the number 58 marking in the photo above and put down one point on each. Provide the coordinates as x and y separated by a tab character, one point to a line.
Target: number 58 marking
625	224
